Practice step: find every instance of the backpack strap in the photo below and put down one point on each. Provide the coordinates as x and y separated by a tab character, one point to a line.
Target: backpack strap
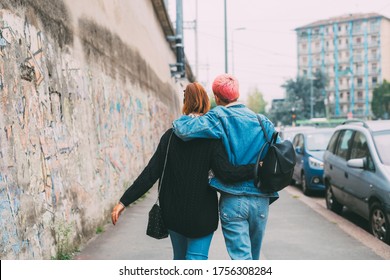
274	135
263	128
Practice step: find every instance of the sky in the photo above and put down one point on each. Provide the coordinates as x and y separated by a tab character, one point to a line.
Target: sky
262	43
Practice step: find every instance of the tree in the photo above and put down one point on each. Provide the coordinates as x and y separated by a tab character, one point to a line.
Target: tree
299	91
380	104
284	112
256	101
212	102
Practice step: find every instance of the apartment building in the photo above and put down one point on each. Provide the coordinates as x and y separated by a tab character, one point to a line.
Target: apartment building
354	51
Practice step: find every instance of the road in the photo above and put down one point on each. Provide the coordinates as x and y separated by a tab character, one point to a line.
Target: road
299	228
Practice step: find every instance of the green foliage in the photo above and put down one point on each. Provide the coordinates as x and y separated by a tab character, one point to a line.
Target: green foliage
64	248
380	104
212	102
284	112
256	101
300	91
99	229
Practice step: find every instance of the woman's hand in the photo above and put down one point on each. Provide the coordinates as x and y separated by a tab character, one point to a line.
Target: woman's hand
116	212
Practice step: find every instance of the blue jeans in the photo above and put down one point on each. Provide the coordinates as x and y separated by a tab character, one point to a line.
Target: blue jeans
243	220
185	248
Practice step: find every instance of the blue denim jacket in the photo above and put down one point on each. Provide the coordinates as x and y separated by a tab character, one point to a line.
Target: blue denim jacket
241	133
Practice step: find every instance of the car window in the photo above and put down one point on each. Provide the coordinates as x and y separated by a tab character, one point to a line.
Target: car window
359	146
344	143
382	140
317	141
296	140
332	142
301	141
360	149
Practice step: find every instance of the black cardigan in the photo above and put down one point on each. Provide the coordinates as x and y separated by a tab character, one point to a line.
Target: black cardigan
189	205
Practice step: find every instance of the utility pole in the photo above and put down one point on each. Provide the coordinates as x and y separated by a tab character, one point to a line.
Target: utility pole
311	97
235	29
179	37
178	69
226	39
196	42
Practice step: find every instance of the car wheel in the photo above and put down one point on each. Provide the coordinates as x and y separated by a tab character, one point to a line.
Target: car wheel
331	201
304	186
379	224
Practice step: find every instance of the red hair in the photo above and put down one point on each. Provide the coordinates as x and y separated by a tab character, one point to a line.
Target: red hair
196	99
225	86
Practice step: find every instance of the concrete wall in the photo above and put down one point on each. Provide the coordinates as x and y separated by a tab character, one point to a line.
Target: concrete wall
85	94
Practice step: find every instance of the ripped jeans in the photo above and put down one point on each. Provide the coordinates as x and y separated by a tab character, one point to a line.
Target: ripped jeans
243	219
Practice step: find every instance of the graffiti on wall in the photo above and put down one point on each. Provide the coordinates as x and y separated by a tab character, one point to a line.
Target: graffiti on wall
72	137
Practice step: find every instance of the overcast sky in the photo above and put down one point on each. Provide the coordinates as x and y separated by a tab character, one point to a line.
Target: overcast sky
264	41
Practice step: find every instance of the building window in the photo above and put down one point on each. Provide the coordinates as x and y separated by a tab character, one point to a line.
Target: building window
304	46
360	95
360	81
358	40
374	81
357	26
374	54
374	67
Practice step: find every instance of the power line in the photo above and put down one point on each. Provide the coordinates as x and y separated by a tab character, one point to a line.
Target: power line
251	47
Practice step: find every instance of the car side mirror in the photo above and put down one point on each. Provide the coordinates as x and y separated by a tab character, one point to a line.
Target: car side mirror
357	163
298	150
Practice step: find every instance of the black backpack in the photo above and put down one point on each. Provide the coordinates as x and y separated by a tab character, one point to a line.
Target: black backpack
274	170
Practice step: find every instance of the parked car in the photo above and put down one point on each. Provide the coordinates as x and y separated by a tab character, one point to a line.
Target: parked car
288	132
309	149
357	173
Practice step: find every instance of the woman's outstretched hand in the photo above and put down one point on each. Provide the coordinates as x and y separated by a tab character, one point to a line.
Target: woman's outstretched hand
116	212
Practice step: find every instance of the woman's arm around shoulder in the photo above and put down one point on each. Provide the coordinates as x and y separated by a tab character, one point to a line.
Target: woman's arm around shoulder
226	171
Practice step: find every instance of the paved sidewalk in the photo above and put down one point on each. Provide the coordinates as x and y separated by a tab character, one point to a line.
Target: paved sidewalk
128	240
299	228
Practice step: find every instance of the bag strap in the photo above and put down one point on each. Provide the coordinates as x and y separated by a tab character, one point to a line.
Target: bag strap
165	163
262	127
274	135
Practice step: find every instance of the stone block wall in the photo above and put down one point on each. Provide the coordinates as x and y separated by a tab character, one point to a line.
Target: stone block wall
85	94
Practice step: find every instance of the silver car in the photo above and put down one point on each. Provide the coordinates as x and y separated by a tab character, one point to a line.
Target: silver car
357	173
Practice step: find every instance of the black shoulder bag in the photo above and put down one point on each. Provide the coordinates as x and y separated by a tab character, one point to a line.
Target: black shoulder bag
274	170
156	226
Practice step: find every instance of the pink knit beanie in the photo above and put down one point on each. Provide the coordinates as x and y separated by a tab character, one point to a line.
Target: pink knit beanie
225	86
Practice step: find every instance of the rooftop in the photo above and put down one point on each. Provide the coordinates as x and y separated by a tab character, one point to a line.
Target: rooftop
342	18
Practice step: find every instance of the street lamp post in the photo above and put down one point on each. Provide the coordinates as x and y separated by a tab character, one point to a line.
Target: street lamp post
311	78
235	29
226	39
311	97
